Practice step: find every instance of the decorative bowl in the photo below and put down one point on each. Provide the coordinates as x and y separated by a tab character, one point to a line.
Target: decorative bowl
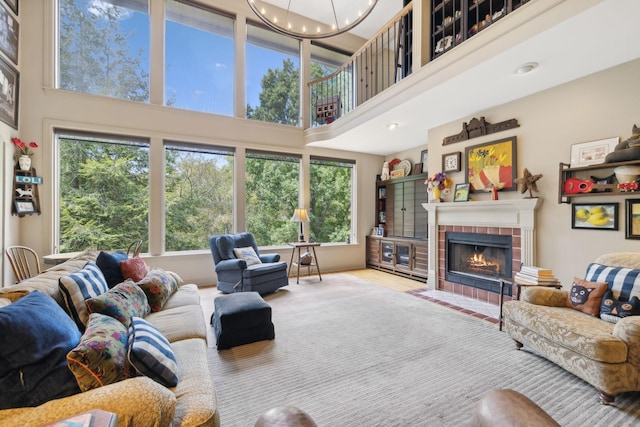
626	174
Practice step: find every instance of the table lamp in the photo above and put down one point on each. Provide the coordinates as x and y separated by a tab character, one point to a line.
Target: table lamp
300	215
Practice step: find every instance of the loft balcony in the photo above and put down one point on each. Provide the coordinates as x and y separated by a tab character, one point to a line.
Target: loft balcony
423	70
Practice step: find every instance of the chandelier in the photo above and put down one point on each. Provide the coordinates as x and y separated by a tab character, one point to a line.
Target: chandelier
330	20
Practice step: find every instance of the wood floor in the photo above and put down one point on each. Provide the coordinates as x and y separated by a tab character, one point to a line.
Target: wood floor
391	281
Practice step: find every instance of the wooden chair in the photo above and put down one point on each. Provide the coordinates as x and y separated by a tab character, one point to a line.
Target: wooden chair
24	262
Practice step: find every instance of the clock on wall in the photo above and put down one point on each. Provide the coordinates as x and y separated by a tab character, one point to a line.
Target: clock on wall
451	162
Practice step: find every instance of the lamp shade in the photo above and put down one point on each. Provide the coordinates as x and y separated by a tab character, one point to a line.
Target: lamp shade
300	215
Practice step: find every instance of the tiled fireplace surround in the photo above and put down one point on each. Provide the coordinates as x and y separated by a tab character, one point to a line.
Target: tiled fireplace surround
505	217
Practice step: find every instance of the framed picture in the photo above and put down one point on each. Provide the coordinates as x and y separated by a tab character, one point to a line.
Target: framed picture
451	162
424	157
632	226
594	216
25	207
9	94
492	164
593	152
9	35
417	169
461	194
13	4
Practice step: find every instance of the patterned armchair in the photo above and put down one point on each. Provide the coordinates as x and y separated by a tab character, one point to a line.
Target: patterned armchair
604	352
240	267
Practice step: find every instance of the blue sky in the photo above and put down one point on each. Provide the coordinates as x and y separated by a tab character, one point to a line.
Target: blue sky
200	65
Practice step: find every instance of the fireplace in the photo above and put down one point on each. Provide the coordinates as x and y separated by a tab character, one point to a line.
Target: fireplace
514	218
478	260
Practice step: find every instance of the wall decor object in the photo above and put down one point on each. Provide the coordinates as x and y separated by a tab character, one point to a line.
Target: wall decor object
632	226
492	164
9	35
13	4
24	207
451	162
461	194
417	169
9	94
594	216
424	157
479	127
592	152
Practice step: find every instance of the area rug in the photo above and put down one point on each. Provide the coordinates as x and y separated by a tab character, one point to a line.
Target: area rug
349	352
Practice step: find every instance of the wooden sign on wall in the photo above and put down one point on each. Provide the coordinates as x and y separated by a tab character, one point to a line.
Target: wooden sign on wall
479	127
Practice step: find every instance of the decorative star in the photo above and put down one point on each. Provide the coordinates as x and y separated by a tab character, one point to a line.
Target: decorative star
528	182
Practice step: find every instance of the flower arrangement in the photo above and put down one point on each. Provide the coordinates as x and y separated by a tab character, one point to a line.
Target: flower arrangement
440	181
23	148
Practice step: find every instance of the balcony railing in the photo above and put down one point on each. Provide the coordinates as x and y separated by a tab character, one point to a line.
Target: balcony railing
382	62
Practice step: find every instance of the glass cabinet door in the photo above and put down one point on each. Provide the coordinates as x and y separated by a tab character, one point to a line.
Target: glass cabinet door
387	252
402	255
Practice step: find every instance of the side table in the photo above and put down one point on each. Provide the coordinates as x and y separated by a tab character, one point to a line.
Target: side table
314	263
516	285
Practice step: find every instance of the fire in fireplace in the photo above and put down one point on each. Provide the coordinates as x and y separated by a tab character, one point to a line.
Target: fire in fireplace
478	260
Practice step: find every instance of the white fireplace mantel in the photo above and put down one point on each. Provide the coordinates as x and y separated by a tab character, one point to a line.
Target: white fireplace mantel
513	213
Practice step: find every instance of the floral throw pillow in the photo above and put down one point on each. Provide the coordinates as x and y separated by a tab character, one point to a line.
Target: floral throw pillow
121	302
247	254
158	286
101	356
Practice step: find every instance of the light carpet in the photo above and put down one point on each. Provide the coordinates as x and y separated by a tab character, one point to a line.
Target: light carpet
351	353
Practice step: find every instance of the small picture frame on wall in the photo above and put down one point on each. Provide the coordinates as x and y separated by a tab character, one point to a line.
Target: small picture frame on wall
24	207
592	152
9	34
424	157
13	4
632	222
451	162
9	97
594	216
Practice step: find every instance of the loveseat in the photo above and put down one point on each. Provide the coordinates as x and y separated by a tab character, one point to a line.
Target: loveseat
138	400
604	353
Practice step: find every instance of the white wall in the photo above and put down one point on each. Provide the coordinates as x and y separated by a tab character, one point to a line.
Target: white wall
599	106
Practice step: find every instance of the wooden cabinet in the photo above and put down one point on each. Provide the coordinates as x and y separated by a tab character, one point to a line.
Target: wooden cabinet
594	180
399	206
25	199
454	21
405	257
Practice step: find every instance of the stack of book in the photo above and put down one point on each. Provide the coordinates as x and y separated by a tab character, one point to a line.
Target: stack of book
530	275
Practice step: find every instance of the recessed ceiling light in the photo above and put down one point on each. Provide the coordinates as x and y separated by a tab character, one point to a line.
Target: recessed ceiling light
392	126
526	68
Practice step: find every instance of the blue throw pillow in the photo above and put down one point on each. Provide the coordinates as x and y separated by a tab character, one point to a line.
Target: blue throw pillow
36	336
109	263
151	354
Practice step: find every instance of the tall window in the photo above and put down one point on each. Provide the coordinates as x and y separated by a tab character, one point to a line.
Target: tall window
198	194
199	59
272	77
103	191
331	199
104	48
272	187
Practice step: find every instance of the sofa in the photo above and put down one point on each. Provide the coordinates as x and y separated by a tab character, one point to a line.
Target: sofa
240	267
138	400
571	331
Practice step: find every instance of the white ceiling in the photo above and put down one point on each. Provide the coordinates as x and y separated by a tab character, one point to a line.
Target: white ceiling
573	39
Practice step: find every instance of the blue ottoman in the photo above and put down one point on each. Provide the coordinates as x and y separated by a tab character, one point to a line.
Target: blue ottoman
241	318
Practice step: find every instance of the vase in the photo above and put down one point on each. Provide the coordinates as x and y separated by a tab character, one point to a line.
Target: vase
435	194
25	162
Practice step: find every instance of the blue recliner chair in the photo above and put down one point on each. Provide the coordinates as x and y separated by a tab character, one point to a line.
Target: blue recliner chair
236	275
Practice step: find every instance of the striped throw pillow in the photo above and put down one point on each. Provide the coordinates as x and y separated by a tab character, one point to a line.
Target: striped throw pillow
151	354
80	286
624	282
